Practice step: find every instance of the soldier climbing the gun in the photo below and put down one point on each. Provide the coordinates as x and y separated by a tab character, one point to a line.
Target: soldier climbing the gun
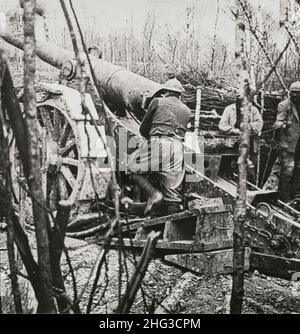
159	160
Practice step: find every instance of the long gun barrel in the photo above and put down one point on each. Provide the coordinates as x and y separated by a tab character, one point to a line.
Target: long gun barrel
121	88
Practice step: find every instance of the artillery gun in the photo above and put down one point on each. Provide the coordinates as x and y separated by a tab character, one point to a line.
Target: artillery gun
200	238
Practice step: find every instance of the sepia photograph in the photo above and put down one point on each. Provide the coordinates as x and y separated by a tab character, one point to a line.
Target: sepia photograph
150	160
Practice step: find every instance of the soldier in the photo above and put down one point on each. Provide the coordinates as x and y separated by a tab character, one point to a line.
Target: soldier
287	166
164	126
94	50
230	124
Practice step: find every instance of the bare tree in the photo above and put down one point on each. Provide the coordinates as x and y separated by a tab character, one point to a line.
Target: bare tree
148	49
32	170
4	155
213	53
240	214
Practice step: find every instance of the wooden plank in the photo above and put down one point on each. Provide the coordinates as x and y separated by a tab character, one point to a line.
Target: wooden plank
204	202
217	209
174	217
180	247
275	266
218	262
147	223
214	227
183	227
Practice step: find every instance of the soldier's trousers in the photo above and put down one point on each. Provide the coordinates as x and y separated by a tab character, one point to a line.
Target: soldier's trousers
163	158
285	176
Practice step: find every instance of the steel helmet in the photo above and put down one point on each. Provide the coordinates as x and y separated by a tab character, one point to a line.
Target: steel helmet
295	87
174	85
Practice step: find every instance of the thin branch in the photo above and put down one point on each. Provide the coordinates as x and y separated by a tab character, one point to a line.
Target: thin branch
292	37
243	6
212	62
138	276
266	78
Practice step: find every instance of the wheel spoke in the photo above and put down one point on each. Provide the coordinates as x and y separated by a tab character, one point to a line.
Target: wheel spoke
68	176
59	156
65	134
70	146
70	161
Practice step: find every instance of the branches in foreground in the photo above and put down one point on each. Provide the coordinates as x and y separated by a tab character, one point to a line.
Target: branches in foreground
4	156
237	293
46	303
140	271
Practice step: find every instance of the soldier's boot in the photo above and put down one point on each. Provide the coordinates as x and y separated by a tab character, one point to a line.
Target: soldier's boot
285	189
286	177
155	197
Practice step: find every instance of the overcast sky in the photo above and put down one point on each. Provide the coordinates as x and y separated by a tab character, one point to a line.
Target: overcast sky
118	12
115	14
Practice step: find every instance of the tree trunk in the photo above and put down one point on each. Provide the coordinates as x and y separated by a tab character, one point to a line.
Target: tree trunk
4	150
46	303
241	206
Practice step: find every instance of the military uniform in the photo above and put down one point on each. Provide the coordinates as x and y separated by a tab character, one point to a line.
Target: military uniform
230	124
288	161
164	127
229	120
161	155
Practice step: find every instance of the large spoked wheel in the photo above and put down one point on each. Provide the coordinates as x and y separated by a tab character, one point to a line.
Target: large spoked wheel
61	168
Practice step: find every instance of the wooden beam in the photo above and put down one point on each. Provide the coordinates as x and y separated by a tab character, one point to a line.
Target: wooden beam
218	262
275	266
164	248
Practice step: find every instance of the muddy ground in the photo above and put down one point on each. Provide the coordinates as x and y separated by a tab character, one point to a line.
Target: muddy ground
165	290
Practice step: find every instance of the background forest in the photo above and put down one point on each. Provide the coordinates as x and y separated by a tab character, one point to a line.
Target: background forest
146	37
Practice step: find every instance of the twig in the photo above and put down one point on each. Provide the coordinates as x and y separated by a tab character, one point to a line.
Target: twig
212	61
292	37
266	78
134	285
242	4
96	280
